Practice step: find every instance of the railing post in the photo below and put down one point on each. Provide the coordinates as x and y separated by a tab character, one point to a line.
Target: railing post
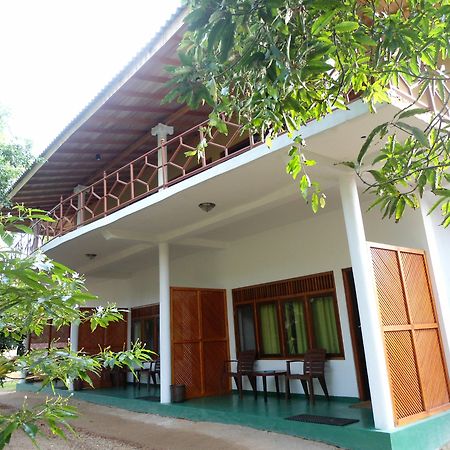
61	213
80	191
35	243
131	181
202	136
163	164
105	193
161	131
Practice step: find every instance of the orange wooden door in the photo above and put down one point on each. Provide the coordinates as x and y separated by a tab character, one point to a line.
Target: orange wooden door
415	359
199	340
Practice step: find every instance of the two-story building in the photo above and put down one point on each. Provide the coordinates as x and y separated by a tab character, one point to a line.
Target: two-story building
219	255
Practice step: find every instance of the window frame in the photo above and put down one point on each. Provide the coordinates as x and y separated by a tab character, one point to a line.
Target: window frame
144	314
236	322
279	301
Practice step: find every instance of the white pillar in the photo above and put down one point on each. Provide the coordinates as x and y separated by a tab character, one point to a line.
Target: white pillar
367	304
438	278
74	330
162	131
165	353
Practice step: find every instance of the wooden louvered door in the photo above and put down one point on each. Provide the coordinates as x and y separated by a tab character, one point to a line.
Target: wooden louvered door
199	340
415	359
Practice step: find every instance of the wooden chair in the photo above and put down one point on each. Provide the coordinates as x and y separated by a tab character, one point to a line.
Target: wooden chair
313	367
243	366
139	371
154	371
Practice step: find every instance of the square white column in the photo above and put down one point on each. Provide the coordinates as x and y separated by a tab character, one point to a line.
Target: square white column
380	394
165	352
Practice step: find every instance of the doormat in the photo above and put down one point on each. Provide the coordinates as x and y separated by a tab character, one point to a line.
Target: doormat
151	398
324	420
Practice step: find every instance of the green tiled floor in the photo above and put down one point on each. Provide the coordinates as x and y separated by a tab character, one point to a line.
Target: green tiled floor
428	434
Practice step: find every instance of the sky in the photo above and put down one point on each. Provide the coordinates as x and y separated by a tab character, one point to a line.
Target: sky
56	55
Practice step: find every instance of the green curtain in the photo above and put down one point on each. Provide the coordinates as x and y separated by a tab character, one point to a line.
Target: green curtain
269	329
295	324
325	327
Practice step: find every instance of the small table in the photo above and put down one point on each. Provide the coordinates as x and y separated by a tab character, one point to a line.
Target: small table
264	374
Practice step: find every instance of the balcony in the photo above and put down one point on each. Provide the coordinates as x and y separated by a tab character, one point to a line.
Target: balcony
170	163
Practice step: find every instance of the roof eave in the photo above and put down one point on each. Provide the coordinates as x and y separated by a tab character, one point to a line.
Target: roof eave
167	31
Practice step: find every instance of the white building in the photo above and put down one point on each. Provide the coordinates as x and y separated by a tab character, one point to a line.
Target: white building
259	271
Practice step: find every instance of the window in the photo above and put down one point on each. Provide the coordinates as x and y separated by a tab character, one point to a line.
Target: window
269	332
324	322
296	334
285	318
246	327
145	326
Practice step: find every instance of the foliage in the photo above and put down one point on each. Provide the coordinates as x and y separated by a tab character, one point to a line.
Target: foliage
36	292
276	64
15	159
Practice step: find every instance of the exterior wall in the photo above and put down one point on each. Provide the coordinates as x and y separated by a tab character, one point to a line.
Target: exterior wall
409	232
311	246
308	247
109	290
443	242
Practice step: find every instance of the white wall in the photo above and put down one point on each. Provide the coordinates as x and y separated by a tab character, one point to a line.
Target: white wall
314	245
109	290
311	246
443	242
408	232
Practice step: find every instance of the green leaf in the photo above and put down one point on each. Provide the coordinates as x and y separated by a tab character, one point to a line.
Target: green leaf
315	202
420	136
304	185
346	27
400	208
30	429
413	112
215	34
23	228
227	40
322	22
364	39
368	141
318	66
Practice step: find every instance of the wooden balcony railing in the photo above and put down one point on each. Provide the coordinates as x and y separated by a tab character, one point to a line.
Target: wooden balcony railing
157	169
168	164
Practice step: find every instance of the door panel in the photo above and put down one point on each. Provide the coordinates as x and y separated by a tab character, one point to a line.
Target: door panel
214	355
199	340
416	365
185	317
187	367
213	309
431	368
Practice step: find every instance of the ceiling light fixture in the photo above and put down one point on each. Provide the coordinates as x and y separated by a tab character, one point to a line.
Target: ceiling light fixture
207	206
